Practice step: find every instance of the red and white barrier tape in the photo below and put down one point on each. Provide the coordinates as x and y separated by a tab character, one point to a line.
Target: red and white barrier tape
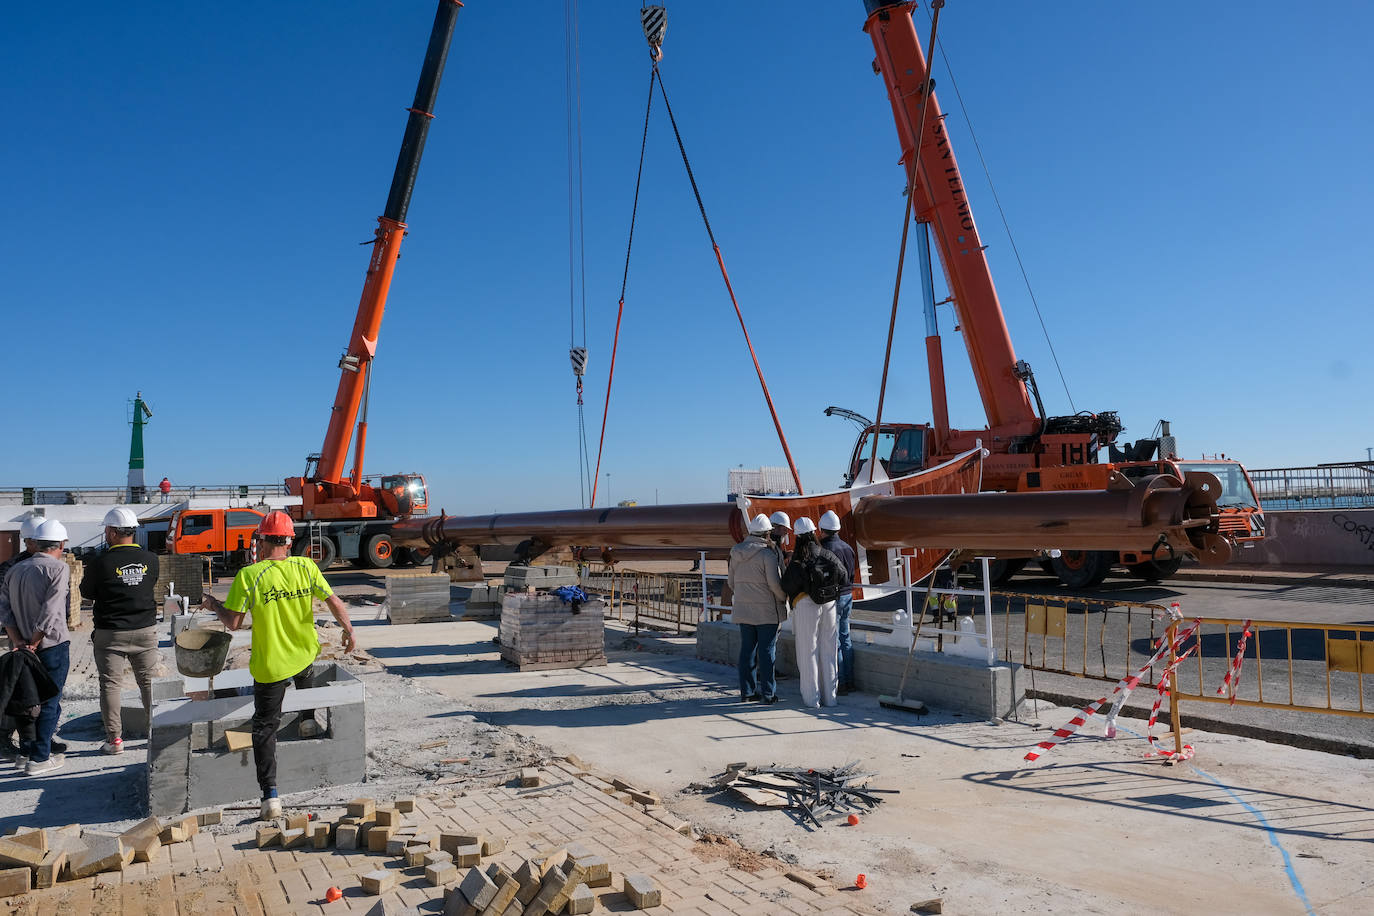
1165	684
1126	683
1228	683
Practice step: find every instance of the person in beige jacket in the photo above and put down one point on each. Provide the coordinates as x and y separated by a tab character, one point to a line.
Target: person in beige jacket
759	606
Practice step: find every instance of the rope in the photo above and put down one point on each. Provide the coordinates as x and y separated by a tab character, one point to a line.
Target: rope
1006	225
928	89
577	256
720	261
624	283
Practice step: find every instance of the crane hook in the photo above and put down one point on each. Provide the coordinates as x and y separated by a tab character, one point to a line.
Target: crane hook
654	20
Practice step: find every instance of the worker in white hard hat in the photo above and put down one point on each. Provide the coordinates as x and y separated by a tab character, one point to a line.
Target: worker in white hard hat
758	607
34	615
814	579
120	582
782	527
9	750
844	605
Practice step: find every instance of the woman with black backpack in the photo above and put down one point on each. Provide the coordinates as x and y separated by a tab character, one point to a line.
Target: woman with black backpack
813	580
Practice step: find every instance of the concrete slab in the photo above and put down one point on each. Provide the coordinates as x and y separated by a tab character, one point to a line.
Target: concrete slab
1274	825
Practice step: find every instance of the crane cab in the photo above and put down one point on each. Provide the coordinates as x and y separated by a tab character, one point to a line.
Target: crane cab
902	449
404	494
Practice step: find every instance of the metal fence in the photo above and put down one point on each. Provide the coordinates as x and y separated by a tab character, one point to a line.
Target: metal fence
69	496
1327	486
1091	638
657	599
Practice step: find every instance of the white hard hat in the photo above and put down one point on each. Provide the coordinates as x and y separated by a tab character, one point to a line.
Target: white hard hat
28	528
780	519
120	517
803	525
51	530
830	521
760	524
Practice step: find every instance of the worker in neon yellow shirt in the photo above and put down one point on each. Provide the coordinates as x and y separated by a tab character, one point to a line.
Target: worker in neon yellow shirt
279	592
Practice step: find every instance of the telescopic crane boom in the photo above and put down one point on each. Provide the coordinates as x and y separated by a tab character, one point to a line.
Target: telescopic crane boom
326	491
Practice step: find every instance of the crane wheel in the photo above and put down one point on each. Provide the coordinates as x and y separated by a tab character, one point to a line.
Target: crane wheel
325	555
1083	568
379	552
1001	571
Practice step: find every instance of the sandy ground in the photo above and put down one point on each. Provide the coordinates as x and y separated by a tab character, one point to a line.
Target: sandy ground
1246	826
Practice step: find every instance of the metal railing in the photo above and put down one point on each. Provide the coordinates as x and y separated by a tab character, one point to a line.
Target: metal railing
679	599
1329	486
66	495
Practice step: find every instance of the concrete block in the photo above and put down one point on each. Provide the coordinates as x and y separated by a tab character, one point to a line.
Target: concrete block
420	597
297	821
362	807
50	869
187	770
438	856
596	870
467	856
554	892
346	837
14	881
478	888
519	578
529	777
942	680
415	856
641	891
388	817
105	853
267	836
493	845
441	874
405	805
388	907
455	904
581	901
294	838
38	839
530	879
506	889
377	838
133	717
379	881
320	834
16	853
174	833
210	818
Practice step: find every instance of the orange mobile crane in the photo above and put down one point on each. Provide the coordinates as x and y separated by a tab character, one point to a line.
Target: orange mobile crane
1029	450
345	514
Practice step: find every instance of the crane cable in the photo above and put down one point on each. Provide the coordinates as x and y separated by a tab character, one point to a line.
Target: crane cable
577	258
652	19
927	89
1006	225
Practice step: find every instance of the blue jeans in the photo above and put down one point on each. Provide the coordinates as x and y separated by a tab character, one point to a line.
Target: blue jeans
56	660
843	605
758	643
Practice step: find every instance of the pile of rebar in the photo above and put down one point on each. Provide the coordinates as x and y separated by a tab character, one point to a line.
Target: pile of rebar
809	793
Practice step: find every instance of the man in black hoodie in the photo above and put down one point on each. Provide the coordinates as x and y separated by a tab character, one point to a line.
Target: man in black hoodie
120	582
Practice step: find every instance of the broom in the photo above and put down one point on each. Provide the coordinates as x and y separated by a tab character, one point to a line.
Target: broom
900	701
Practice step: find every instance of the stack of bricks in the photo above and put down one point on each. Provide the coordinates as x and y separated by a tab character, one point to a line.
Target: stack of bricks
540	631
78	570
417	597
484	601
559	881
37	859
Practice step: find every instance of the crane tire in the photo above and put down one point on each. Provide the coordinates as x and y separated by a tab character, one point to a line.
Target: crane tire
1156	570
379	552
1083	568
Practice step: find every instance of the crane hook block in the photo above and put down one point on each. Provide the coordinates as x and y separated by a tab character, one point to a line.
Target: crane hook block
578	355
654	19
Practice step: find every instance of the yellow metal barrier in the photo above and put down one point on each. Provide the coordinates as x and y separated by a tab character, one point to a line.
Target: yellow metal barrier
672	598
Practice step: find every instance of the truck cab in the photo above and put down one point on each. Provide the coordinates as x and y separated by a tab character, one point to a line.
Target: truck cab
212	532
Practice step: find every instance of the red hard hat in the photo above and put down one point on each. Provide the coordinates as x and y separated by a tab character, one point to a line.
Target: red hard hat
277	523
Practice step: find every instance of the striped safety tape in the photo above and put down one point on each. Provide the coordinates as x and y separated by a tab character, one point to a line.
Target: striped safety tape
1087	712
1228	683
1165	684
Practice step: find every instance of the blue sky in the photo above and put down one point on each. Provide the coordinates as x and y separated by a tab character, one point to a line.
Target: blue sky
187	185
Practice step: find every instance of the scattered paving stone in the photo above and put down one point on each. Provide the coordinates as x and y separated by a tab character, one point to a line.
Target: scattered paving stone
379	881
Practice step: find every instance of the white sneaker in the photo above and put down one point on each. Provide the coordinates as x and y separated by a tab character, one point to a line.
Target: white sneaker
39	767
271	809
113	747
309	729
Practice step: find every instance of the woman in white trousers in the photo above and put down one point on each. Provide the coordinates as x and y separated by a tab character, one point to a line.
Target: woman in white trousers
814	623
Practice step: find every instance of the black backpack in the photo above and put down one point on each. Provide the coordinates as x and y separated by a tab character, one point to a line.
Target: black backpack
825	575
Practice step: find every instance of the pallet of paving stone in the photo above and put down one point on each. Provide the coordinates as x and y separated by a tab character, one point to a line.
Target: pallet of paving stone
541	631
417	597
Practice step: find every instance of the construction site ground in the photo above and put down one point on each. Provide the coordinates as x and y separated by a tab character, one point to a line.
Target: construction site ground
1094	827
